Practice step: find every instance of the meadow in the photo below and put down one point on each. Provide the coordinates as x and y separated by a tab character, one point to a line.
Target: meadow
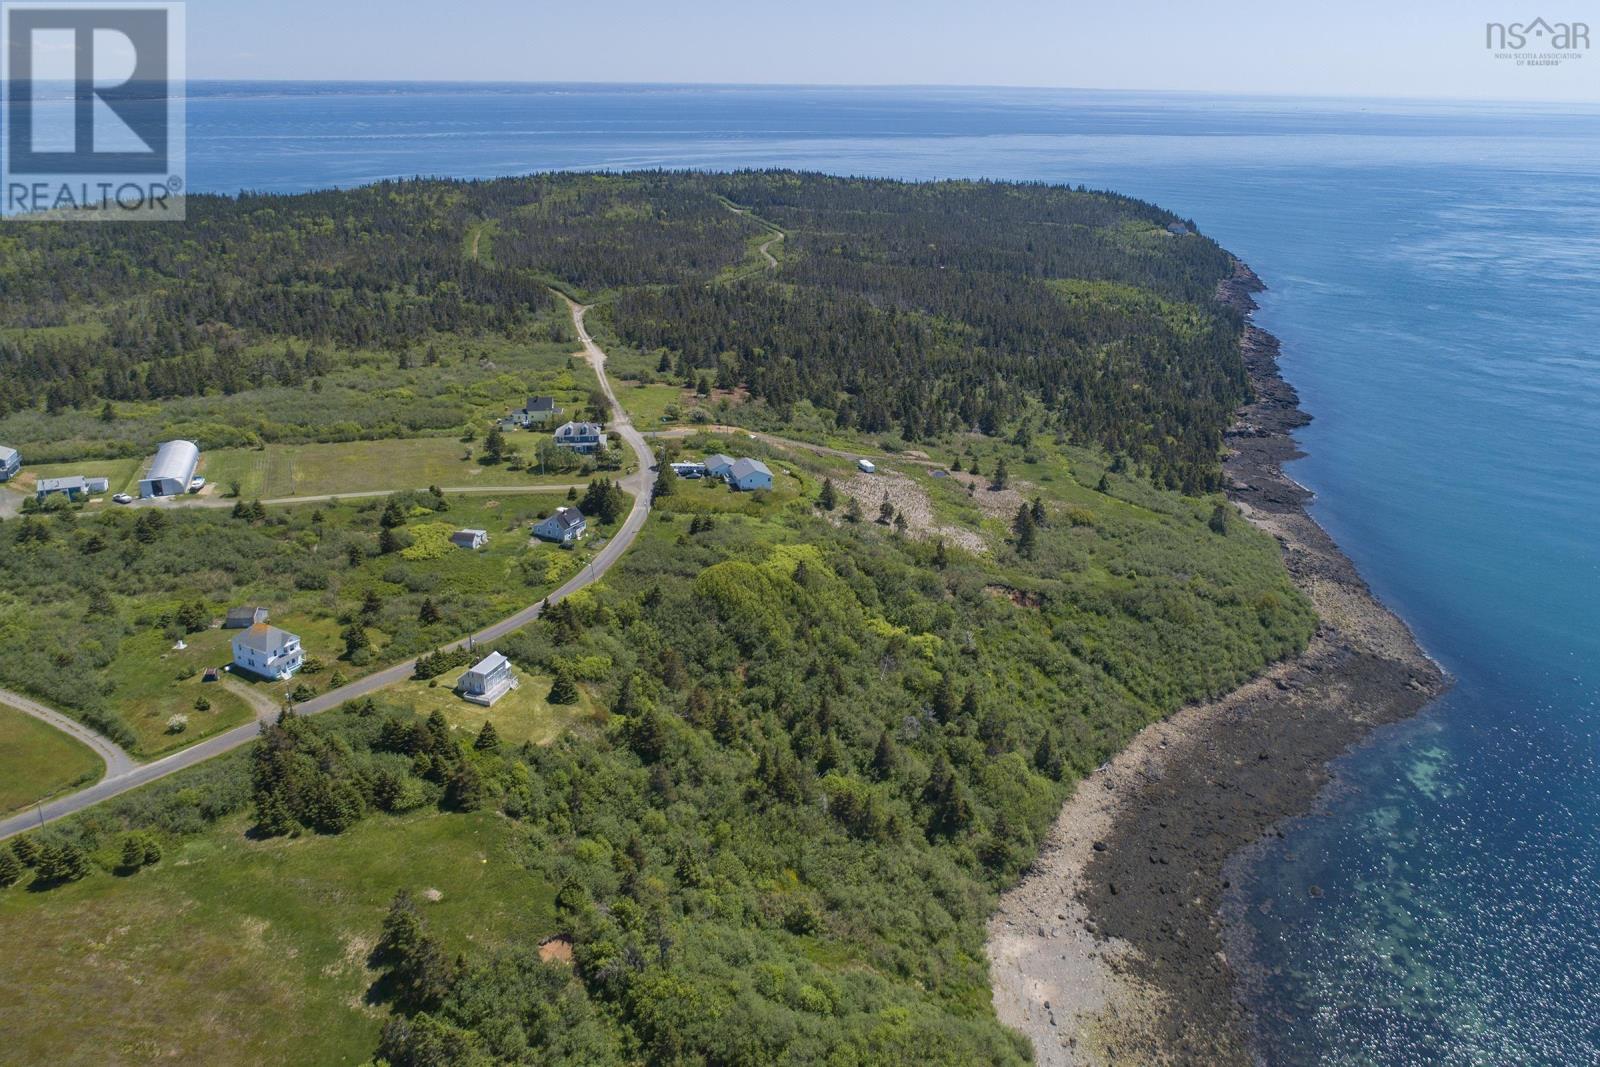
38	761
235	951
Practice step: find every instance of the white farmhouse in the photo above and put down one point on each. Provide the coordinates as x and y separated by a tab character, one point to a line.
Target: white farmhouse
488	680
10	462
267	652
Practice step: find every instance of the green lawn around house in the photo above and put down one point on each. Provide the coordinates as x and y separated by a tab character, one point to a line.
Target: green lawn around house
121	474
234	951
521	715
153	681
38	761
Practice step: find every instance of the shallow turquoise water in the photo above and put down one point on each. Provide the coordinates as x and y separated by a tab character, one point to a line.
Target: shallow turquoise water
1433	274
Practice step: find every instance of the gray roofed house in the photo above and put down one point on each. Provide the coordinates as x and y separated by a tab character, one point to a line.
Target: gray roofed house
242	617
538	411
10	462
268	652
75	487
487	680
582	437
747	475
564	527
718	465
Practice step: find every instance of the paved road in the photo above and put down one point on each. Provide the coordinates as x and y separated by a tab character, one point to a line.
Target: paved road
639	484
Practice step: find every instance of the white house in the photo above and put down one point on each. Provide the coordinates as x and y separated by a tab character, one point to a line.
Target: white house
717	466
267	652
537	412
566	527
171	471
488	680
748	475
10	462
582	437
470	538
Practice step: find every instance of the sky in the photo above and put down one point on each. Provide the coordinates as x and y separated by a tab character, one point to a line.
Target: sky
1399	48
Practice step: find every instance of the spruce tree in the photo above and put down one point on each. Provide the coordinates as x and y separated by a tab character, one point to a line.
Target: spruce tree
11	868
488	740
884	758
563	690
828	499
26	849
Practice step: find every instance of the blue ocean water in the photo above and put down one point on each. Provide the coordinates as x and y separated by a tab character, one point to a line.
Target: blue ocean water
1433	277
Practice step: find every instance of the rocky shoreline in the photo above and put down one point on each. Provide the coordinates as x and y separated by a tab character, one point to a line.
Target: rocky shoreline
1112	949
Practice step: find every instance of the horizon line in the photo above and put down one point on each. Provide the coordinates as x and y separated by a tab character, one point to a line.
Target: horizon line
1262	94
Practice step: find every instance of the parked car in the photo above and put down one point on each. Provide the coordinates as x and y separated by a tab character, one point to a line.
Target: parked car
122	498
197	484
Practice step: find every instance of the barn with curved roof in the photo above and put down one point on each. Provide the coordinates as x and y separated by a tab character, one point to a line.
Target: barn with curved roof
171	471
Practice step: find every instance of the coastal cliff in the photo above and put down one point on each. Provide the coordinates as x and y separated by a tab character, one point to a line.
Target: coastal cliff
1114	947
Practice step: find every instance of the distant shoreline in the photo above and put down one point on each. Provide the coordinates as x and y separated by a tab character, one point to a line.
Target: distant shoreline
1115	946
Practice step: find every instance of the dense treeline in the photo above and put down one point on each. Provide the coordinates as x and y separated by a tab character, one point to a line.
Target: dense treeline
920	309
930	308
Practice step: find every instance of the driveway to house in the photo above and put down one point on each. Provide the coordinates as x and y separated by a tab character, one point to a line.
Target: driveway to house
132	775
116	760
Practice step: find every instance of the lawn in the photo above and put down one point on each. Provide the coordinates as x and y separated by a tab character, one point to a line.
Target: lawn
39	761
363	466
123	474
150	687
521	715
235	951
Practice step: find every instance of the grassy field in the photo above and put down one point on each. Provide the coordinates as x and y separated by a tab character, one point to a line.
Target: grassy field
234	951
363	466
521	715
39	761
122	474
150	687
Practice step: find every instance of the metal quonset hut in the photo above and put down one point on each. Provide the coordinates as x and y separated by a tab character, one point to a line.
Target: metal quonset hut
171	470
